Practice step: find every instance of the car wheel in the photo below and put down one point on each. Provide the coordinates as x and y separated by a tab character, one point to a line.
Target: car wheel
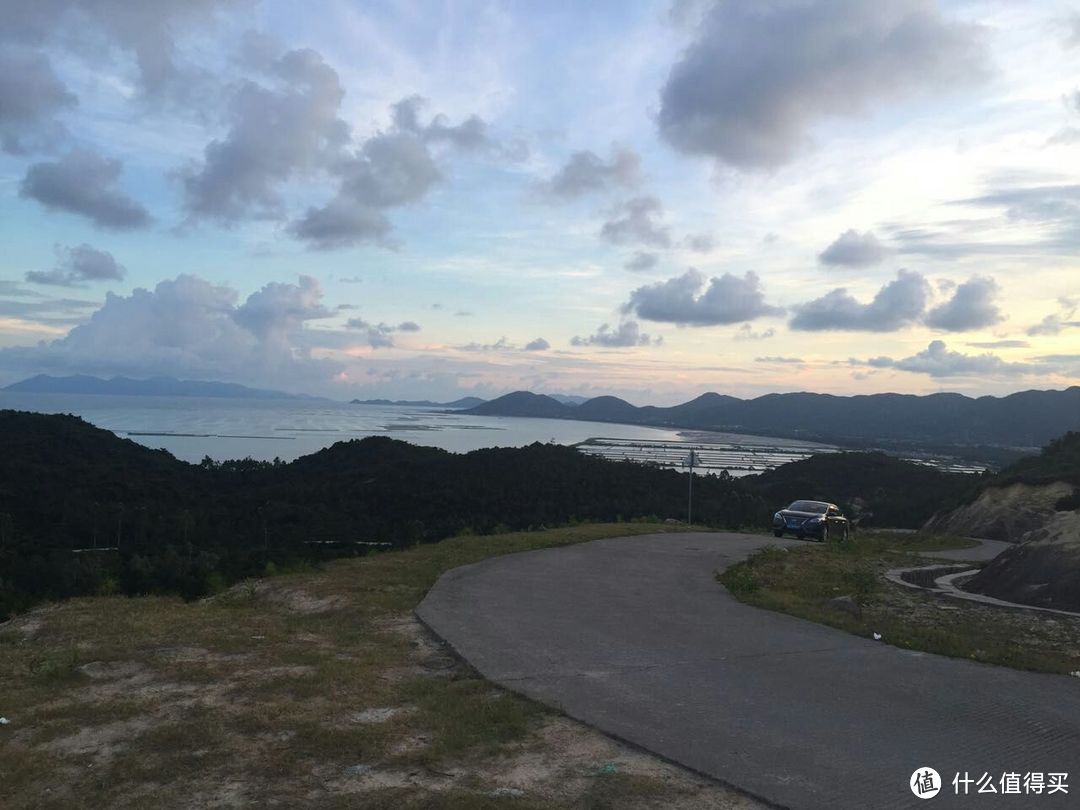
824	534
844	535
777	534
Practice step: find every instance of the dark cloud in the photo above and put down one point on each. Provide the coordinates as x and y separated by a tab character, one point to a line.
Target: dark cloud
899	303
84	182
190	327
78	264
938	361
972	306
854	249
389	170
585	172
758	77
537	345
642	260
637	221
693	300
30	96
341	223
627	333
276	133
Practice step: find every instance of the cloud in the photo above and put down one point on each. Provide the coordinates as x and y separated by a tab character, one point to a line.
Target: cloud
1000	344
642	260
756	80
1066	136
277	311
938	361
1072	38
537	345
899	303
627	333
971	307
380	335
500	345
852	249
190	327
1057	322
80	263
746	332
699	242
31	95
637	221
389	170
585	173
146	31
276	133
83	182
469	135
687	301
1058	203
789	361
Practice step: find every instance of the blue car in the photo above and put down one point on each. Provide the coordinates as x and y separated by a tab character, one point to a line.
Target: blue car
815	519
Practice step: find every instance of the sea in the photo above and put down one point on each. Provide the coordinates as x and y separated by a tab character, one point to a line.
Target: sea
192	428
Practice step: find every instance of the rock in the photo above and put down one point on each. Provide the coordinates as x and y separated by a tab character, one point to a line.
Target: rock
357	770
847	604
507	792
672	521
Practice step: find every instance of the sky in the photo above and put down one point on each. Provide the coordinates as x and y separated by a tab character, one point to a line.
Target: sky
646	199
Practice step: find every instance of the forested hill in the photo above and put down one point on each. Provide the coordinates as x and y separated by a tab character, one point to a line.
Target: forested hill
182	528
1024	419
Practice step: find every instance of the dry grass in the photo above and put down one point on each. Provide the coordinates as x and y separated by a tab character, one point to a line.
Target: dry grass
314	690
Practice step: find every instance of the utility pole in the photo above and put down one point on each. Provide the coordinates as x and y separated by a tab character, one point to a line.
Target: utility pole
690	496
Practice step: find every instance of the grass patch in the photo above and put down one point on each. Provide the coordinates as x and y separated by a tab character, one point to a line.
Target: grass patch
802	581
258	695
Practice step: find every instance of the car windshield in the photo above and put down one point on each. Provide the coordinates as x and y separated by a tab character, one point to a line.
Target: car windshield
808	506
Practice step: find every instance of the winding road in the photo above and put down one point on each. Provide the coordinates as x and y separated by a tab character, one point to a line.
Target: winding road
635	637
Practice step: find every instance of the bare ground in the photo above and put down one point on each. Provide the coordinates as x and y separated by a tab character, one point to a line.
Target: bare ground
314	690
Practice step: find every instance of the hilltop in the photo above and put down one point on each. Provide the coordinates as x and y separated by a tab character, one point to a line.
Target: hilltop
1034	503
873	489
190	529
1022	420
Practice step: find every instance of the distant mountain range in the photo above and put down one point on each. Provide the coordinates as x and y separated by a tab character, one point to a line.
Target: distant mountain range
1025	419
154	387
464	402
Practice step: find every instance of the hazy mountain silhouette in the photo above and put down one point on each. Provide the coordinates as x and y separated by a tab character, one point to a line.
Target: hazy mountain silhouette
1024	419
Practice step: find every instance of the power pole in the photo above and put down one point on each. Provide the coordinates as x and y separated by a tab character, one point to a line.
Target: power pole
690	496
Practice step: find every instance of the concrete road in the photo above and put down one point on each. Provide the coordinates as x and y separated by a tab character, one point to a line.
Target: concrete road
635	637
